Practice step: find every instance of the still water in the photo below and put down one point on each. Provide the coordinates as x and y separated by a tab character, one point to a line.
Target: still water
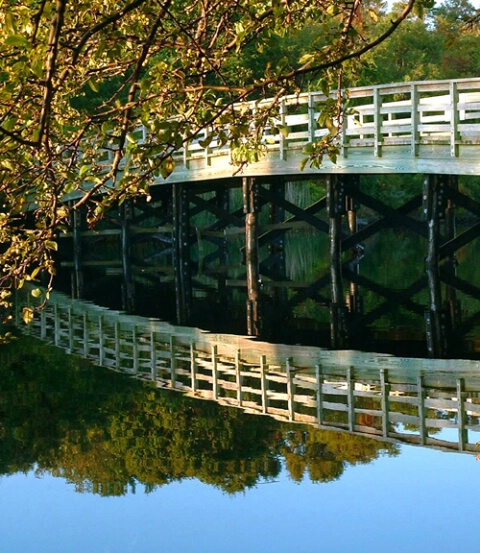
97	461
92	460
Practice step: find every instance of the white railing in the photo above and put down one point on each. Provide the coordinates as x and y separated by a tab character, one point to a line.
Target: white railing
406	127
405	401
431	126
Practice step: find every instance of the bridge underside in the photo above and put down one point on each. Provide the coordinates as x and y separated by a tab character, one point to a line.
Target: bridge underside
227	254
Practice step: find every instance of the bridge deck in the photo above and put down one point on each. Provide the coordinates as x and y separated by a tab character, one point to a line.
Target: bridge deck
417	127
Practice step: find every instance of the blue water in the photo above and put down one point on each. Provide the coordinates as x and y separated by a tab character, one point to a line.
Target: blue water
423	500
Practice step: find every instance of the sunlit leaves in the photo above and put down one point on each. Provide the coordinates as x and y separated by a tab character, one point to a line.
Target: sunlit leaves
79	80
27	315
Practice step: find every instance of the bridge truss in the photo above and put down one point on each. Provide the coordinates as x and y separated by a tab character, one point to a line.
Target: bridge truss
194	254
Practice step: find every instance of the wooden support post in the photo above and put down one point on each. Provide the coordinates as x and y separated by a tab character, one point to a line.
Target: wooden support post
77	274
153	356
434	200
454	119
215	371
101	341
238	377
283	140
86	336
377	122
351	399
319	378
453	309
385	389
135	349
264	383
173	362
56	325
181	256
71	329
336	207
422	415
193	368
250	207
461	416
415	119
290	389
43	324
128	287
353	300
118	343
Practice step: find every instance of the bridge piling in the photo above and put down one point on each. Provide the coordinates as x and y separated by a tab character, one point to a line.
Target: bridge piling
181	252
77	273
250	205
336	208
128	285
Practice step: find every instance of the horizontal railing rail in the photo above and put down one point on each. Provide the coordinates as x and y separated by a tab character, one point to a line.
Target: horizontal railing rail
401	401
414	121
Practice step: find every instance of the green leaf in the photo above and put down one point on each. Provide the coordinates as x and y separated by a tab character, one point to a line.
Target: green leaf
51	245
83	170
27	315
283	130
16	40
92	83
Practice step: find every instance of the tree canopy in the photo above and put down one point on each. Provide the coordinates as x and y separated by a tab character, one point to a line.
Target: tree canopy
78	78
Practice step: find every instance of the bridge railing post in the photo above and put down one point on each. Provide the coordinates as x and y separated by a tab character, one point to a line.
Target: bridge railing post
283	117
454	118
415	118
377	122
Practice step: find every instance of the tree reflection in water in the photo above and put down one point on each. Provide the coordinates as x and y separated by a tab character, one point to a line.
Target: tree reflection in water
107	433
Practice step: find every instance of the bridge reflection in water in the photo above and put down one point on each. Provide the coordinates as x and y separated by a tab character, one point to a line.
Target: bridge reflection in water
434	403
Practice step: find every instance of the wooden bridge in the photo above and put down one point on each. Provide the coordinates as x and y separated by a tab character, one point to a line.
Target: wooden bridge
178	243
411	401
416	127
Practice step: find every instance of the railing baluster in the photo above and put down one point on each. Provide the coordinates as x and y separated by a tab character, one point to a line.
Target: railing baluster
238	377
319	379
385	390
282	139
421	410
173	362
462	433
415	118
101	345
351	399
117	333
153	356
377	122
193	367
264	383
135	349
290	389
215	371
454	117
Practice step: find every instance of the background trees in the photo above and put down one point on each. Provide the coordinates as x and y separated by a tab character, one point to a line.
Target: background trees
77	79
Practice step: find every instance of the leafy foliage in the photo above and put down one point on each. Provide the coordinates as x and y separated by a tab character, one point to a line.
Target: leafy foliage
78	79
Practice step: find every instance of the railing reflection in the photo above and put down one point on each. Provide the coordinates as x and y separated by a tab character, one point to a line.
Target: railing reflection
435	403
